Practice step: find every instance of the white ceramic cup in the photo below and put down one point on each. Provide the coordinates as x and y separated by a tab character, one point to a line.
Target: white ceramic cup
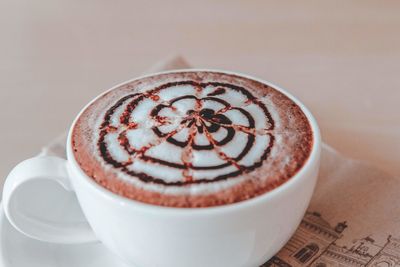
243	234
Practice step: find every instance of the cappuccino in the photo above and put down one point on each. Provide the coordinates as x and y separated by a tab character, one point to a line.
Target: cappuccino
192	139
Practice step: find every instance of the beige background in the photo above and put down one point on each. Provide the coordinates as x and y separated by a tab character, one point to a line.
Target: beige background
342	58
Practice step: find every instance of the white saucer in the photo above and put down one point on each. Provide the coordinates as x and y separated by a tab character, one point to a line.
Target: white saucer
17	250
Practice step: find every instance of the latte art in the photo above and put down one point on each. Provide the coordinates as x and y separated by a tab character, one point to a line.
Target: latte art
212	131
192	139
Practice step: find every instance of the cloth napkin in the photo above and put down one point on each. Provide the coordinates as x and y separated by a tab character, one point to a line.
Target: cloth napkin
353	218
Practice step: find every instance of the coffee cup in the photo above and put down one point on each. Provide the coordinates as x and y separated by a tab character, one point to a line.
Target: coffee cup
243	233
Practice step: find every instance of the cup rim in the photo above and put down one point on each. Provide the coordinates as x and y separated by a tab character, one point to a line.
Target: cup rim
124	201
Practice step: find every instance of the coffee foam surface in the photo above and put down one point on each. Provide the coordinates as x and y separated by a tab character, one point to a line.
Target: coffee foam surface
174	139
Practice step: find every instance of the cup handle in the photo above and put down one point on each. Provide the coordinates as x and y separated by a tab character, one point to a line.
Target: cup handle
31	171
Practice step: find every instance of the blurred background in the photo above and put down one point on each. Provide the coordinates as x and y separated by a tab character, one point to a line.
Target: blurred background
341	58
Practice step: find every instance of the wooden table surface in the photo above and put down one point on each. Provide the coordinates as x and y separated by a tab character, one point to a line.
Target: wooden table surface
341	58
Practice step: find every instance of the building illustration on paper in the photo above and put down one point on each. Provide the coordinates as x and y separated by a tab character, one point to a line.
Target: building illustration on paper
314	245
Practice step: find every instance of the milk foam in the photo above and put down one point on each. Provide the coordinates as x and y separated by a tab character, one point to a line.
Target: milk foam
185	134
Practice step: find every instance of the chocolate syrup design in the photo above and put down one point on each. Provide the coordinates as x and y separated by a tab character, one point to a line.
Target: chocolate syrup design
191	115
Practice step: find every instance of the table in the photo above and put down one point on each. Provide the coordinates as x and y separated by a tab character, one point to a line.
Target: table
341	58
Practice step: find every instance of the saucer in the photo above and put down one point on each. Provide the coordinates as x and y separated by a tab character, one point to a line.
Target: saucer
18	250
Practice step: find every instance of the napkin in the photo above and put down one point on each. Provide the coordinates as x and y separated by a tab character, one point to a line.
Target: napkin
353	218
